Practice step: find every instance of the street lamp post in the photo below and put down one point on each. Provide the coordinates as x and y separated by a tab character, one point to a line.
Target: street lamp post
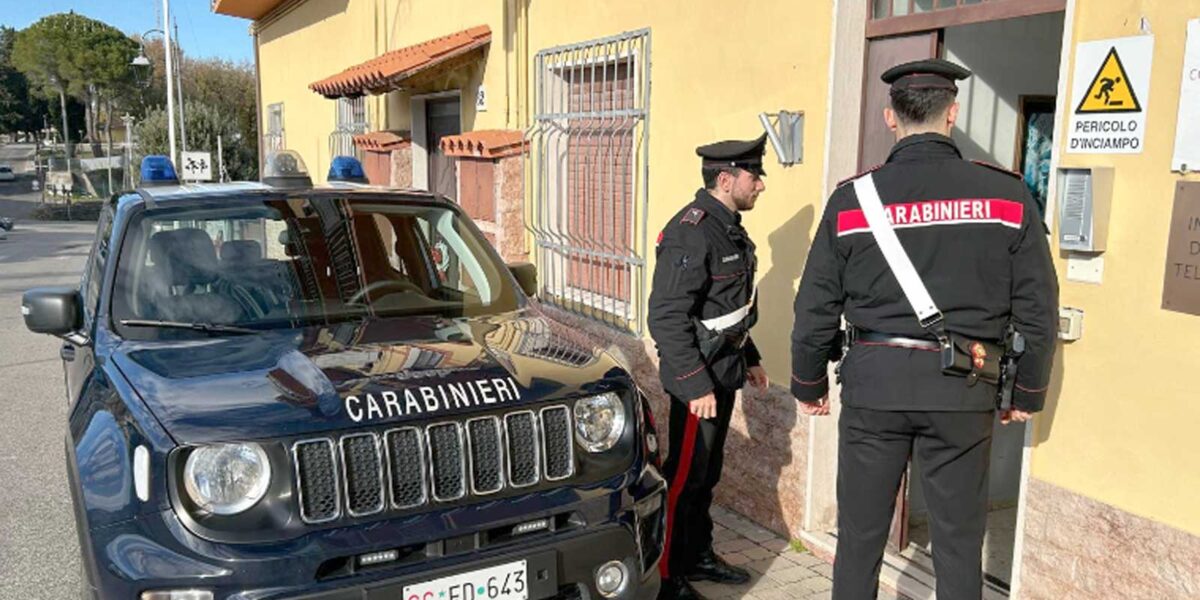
128	121
143	62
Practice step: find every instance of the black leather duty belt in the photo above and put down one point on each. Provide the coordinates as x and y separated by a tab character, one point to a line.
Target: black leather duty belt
884	339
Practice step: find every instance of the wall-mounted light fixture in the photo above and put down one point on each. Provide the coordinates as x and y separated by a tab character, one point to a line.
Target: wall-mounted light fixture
785	129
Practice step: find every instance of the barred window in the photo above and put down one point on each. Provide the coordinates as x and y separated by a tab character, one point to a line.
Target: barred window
350	120
273	138
588	155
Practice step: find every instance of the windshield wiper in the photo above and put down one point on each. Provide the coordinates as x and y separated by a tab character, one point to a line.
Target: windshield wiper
205	327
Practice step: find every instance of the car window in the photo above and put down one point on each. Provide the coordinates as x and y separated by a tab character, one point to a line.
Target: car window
93	275
289	261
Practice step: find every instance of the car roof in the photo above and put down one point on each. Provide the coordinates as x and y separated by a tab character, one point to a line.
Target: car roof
167	194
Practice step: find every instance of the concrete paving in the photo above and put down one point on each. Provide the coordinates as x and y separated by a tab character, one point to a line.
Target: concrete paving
777	571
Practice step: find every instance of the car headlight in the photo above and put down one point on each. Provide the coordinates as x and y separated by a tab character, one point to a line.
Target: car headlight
226	479
599	421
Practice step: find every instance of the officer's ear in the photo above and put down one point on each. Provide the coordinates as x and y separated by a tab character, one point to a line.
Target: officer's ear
952	116
889	117
725	181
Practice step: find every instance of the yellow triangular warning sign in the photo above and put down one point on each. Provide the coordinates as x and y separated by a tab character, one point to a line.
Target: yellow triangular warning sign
1110	90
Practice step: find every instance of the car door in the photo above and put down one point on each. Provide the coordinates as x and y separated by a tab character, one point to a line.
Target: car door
77	350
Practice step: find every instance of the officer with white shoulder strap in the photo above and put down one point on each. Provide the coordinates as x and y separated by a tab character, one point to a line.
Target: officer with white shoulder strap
702	306
942	270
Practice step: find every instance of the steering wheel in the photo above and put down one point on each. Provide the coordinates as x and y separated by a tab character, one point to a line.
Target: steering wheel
402	285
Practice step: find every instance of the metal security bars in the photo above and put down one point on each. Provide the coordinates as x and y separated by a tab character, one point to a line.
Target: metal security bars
273	138
587	176
351	120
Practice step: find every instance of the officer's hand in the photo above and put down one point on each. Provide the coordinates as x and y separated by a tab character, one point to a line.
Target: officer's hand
757	377
816	409
704	407
1014	416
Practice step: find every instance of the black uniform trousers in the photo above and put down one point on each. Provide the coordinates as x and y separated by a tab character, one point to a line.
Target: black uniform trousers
693	469
873	449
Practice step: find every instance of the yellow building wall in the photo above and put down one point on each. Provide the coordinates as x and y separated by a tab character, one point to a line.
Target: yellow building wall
1121	423
320	38
714	68
710	78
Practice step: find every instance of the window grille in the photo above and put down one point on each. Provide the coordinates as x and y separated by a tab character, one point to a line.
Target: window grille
351	120
587	177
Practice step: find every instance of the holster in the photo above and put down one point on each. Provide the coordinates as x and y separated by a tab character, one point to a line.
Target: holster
973	359
712	343
1014	347
987	361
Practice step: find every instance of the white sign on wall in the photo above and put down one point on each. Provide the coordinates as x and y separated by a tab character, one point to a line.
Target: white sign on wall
1110	95
196	166
481	99
1187	124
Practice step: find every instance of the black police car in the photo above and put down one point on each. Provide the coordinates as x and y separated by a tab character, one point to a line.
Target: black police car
281	391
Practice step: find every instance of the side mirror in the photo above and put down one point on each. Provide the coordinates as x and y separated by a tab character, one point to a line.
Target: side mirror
53	310
526	274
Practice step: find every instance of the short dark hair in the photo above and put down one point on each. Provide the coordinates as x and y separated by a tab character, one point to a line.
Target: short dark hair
710	175
915	106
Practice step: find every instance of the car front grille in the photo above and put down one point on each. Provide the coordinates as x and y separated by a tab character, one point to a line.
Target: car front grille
366	473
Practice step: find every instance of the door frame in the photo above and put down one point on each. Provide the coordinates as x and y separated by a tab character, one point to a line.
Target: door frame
420	136
842	151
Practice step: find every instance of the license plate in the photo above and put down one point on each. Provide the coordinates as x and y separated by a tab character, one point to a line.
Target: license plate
508	581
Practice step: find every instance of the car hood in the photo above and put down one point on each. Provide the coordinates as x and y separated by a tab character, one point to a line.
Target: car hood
286	383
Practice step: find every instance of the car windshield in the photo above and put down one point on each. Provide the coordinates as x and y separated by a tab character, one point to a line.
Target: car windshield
272	263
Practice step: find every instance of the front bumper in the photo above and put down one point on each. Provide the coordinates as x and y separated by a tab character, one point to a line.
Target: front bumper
556	571
156	553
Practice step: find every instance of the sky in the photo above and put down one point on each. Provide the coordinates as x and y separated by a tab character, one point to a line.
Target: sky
202	33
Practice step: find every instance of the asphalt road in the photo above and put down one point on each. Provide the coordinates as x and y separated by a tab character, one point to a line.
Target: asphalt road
39	555
17	198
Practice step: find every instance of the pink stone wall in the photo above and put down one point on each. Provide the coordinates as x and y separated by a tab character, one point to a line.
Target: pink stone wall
402	167
1077	547
767	446
510	208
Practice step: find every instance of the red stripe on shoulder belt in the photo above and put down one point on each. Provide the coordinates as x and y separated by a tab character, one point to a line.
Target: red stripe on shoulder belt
856	176
998	168
692	216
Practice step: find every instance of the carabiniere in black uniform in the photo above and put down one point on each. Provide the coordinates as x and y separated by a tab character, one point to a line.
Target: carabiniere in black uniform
977	241
704	274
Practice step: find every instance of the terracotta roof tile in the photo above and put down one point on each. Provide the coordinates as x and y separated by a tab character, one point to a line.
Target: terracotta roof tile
380	140
393	67
488	143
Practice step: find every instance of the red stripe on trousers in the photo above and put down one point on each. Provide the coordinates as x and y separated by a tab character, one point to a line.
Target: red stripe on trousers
677	484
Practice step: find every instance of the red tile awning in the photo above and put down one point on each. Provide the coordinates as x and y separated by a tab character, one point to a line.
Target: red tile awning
380	141
390	70
488	143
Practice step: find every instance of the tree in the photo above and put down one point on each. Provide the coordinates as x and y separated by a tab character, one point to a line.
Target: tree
102	73
19	112
42	52
69	54
204	124
225	85
221	90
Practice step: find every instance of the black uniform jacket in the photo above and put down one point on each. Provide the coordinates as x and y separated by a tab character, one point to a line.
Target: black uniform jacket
705	269
975	237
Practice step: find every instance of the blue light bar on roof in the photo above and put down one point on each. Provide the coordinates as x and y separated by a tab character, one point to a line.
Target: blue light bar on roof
346	168
157	169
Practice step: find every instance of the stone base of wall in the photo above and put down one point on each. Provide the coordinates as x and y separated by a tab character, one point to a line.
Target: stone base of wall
1076	547
767	448
402	167
510	209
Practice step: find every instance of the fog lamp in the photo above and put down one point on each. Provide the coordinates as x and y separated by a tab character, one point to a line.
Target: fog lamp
611	578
